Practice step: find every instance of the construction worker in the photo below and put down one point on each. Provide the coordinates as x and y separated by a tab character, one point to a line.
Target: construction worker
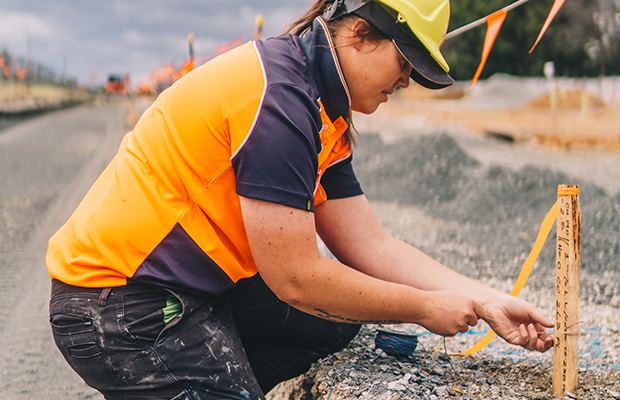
191	268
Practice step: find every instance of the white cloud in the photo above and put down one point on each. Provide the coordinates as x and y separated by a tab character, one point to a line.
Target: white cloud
17	28
131	36
135	37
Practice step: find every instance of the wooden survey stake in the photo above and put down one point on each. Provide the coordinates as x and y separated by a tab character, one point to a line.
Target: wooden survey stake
565	349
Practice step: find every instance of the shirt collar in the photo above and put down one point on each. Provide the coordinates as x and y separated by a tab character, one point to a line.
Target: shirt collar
317	47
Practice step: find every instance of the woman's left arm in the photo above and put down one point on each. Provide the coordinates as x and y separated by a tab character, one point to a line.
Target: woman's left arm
351	231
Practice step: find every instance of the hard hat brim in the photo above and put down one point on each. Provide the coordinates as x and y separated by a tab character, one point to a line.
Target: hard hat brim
426	70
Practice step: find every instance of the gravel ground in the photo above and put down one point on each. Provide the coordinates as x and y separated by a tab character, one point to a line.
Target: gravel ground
474	204
461	200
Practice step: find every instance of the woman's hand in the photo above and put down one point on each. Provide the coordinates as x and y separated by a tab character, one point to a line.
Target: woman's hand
448	313
519	323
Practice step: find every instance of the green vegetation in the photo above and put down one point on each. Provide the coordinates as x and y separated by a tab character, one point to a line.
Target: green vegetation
582	40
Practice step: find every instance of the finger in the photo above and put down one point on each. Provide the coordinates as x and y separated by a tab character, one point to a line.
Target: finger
479	310
472	320
541	319
545	343
523	336
532	343
542	330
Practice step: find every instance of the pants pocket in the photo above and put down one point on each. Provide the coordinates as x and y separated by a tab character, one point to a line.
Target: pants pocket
63	324
144	318
73	335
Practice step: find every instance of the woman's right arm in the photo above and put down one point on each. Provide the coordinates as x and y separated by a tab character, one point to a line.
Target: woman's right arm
284	247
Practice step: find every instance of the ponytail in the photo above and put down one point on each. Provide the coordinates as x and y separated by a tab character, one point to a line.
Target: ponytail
305	21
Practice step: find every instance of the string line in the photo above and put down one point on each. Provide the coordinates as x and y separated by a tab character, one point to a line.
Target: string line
543	333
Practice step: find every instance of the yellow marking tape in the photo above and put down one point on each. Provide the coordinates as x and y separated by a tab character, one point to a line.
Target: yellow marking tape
526	270
543	233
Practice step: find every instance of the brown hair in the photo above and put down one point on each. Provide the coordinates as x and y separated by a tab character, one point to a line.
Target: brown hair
304	23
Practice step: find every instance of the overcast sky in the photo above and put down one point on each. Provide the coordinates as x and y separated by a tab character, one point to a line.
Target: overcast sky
82	37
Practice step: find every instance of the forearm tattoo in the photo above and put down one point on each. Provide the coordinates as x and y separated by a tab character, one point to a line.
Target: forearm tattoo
338	318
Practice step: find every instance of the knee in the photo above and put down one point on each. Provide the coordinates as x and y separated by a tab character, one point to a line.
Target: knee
339	336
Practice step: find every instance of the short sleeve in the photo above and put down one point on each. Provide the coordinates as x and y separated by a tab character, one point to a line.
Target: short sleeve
278	162
339	180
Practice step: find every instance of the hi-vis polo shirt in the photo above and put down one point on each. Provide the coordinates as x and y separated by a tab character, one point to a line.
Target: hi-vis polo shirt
264	121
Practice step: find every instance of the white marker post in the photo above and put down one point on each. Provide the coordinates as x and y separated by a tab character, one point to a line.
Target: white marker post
565	349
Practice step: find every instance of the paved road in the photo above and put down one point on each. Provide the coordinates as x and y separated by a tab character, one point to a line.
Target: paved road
46	166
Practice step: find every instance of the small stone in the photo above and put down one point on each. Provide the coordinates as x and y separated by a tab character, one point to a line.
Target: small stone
436	380
441	391
490	380
455	391
506	362
614	394
570	395
438	371
397	386
539	396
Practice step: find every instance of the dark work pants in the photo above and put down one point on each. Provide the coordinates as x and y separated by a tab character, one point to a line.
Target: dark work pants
282	342
116	340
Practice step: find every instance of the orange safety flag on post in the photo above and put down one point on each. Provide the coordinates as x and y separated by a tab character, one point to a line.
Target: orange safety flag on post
21	74
259	27
494	23
187	67
554	10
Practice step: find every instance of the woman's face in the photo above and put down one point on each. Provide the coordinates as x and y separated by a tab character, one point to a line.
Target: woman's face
373	71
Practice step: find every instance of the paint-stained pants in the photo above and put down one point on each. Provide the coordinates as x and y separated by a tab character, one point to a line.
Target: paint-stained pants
234	346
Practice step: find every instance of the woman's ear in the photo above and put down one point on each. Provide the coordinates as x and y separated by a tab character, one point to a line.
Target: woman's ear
360	30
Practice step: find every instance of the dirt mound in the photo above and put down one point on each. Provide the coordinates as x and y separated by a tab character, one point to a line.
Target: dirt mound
497	211
567	100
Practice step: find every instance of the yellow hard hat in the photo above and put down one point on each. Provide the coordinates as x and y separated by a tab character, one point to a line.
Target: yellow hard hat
417	28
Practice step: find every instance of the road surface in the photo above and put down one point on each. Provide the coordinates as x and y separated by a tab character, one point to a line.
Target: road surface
46	166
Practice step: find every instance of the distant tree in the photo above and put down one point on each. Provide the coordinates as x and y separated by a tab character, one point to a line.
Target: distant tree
606	47
583	39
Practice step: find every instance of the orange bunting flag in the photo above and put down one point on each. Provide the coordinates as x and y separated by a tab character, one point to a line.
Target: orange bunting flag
554	10
494	23
7	70
185	69
1	62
